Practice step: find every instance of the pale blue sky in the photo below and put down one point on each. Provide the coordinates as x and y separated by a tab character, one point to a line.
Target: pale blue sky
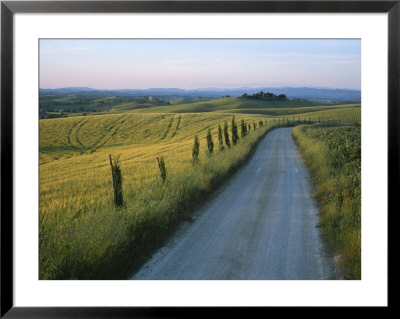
190	64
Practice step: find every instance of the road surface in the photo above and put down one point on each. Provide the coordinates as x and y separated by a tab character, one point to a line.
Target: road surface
261	225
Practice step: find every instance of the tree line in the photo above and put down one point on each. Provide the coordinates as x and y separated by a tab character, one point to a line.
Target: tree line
265	96
224	137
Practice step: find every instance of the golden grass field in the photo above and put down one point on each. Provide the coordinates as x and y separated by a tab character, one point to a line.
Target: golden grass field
82	235
80	231
74	167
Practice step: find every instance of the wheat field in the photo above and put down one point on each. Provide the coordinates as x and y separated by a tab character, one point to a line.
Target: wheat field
82	235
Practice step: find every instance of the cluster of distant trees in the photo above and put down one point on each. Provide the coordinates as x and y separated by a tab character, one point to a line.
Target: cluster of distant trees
265	96
44	115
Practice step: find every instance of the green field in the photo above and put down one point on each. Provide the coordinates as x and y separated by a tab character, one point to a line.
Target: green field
63	105
345	114
82	235
231	104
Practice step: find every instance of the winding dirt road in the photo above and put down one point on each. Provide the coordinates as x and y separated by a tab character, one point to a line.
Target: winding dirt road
261	225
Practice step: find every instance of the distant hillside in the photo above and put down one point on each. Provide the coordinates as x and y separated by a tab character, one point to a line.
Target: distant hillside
246	106
68	90
312	94
315	94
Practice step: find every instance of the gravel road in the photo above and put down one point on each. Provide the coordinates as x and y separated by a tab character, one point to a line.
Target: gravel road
261	225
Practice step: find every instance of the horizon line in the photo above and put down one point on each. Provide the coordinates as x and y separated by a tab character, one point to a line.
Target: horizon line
196	89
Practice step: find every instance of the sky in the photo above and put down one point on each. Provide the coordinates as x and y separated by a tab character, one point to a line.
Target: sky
201	63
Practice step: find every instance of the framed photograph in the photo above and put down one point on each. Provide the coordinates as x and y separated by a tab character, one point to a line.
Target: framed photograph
160	158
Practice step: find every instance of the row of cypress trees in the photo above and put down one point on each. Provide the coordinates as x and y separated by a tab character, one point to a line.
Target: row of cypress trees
223	136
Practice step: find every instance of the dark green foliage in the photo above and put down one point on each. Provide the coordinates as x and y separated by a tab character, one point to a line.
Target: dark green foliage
260	124
226	135
248	128
117	180
243	128
265	96
254	125
235	135
210	143
220	140
196	149
344	144
163	170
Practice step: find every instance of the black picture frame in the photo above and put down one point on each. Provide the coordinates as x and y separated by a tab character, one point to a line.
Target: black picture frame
9	8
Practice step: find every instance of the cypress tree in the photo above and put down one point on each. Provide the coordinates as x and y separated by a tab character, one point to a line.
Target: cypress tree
161	166
235	136
243	128
196	149
117	181
220	141
210	143
226	135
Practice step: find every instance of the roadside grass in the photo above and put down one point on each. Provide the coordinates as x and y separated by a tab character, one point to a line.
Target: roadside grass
350	115
81	235
333	155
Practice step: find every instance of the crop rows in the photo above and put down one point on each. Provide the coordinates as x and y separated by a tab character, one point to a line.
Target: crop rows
81	234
